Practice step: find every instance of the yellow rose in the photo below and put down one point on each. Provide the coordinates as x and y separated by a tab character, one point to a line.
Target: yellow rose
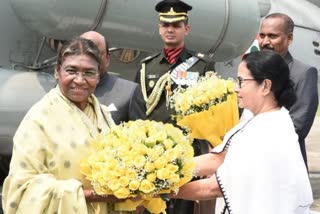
158	149
131	174
188	168
100	179
111	164
160	135
120	171
188	153
173	178
152	155
107	174
134	185
122	193
146	186
168	143
170	155
121	158
124	151
149	167
151	177
179	150
172	168
113	184
128	161
160	163
101	190
163	173
139	161
140	149
124	181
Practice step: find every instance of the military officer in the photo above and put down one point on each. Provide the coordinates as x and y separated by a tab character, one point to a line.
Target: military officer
161	73
175	65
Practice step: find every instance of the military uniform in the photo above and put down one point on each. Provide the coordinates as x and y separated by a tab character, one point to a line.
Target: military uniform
155	67
161	73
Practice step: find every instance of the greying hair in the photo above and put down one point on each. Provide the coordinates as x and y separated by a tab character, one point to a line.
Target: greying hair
79	46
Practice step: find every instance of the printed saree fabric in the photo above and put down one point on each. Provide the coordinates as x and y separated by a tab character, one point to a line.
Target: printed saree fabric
44	172
263	171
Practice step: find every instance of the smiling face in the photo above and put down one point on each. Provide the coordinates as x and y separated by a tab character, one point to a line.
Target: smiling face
77	78
173	34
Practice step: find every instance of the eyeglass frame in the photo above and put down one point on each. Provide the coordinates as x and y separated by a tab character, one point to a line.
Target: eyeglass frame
240	80
75	73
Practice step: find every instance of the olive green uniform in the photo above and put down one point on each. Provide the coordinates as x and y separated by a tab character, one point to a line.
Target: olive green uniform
155	67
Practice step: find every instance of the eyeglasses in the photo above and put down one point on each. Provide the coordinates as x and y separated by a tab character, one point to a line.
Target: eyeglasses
240	80
89	74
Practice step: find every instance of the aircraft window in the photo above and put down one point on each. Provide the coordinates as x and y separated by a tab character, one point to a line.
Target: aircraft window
316	44
317	52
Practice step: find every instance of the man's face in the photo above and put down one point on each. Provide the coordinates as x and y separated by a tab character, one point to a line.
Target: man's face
173	34
272	36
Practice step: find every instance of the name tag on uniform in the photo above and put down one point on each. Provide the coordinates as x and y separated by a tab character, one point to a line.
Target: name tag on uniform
185	77
152	76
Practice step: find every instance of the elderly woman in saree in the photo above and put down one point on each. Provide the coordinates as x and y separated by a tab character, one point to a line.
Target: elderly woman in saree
259	167
54	136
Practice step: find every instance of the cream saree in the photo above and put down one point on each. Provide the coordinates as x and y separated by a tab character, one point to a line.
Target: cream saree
51	140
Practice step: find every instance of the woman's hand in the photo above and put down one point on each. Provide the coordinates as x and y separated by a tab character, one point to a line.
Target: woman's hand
207	164
92	197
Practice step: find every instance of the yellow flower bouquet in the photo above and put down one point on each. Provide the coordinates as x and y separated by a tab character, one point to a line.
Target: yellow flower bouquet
139	158
208	109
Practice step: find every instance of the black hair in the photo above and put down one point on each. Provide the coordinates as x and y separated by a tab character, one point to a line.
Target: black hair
268	64
288	22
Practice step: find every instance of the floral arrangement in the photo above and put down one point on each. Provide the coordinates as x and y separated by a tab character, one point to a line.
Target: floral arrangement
139	158
208	109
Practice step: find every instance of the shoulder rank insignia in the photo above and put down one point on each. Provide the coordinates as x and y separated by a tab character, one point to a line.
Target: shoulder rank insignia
149	58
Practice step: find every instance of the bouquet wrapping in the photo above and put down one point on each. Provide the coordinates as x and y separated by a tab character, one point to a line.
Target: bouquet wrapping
208	109
139	158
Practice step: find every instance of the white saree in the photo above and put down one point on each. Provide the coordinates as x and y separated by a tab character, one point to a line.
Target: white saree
51	140
263	171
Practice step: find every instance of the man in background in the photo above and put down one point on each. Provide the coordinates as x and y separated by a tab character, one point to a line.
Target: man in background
123	98
276	33
161	73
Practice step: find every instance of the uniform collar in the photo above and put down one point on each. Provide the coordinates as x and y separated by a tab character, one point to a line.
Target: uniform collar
184	55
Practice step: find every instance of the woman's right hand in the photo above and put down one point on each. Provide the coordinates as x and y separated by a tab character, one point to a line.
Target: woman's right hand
92	197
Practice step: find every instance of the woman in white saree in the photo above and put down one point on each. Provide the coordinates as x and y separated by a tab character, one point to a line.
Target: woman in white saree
258	169
54	136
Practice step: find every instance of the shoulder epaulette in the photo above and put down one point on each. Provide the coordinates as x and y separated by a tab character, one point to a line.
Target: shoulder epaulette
199	55
204	57
149	57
